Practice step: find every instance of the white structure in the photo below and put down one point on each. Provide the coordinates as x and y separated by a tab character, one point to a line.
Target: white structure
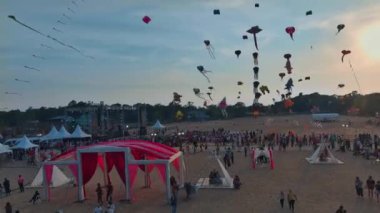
4	149
58	178
325	117
258	153
79	133
24	143
158	125
323	155
52	135
63	133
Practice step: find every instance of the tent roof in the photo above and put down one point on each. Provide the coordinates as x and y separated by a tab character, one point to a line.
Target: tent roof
138	148
79	133
4	149
158	125
58	178
52	135
330	158
64	133
24	143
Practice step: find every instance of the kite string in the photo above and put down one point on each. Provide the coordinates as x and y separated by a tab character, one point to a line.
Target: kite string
356	78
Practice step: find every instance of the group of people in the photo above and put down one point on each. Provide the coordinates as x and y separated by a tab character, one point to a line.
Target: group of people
110	207
372	186
291	197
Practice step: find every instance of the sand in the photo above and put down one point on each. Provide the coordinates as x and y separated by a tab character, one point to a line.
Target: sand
319	188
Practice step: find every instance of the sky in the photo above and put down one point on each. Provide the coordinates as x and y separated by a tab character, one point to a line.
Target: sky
134	62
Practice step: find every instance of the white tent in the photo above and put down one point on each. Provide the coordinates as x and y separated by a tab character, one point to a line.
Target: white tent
78	133
52	135
24	143
158	125
58	178
63	133
323	155
4	149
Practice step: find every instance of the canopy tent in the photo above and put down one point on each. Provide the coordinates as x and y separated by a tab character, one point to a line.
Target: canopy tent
63	133
79	133
158	125
24	143
4	149
52	135
258	154
57	179
323	155
126	156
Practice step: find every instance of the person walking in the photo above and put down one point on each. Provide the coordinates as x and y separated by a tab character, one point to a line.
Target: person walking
370	186
20	182
99	193
377	187
7	187
282	198
291	200
359	187
8	208
109	192
173	203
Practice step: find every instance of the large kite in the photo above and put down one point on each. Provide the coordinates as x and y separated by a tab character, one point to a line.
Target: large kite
290	30
254	30
209	48
288	65
223	106
204	72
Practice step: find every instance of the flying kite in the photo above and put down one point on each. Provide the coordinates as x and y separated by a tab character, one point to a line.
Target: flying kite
238	97
209	95
255	86
257	97
32	68
307	78
210	88
202	70
289	85
299	80
244	37
39	57
290	30
254	30
223	106
278	92
146	19
257	5
309	13
264	89
255	55
345	52
237	53
198	93
216	12
340	27
341	85
209	48
176	98
282	75
256	73
239	83
19	80
288	65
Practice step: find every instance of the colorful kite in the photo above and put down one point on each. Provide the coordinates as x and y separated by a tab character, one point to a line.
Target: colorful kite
254	30
290	30
146	19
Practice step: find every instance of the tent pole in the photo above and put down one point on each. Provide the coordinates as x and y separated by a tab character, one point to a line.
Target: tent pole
168	187
147	185
105	172
127	186
181	171
44	179
80	177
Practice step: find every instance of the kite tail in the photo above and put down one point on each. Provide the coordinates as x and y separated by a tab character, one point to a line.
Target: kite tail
31	28
342	58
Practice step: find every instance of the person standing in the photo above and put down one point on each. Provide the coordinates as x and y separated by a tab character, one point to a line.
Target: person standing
99	193
173	203
7	187
282	198
370	186
109	192
377	187
20	182
245	151
8	208
359	187
291	200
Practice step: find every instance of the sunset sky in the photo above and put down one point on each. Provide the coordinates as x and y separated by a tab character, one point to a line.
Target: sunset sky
137	62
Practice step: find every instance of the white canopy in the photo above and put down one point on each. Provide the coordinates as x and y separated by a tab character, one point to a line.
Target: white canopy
78	133
323	155
64	133
4	149
158	125
58	178
52	135
24	143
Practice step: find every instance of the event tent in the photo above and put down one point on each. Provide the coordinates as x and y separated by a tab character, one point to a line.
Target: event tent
4	149
24	143
126	156
265	152
79	133
323	155
52	135
63	133
57	179
158	125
